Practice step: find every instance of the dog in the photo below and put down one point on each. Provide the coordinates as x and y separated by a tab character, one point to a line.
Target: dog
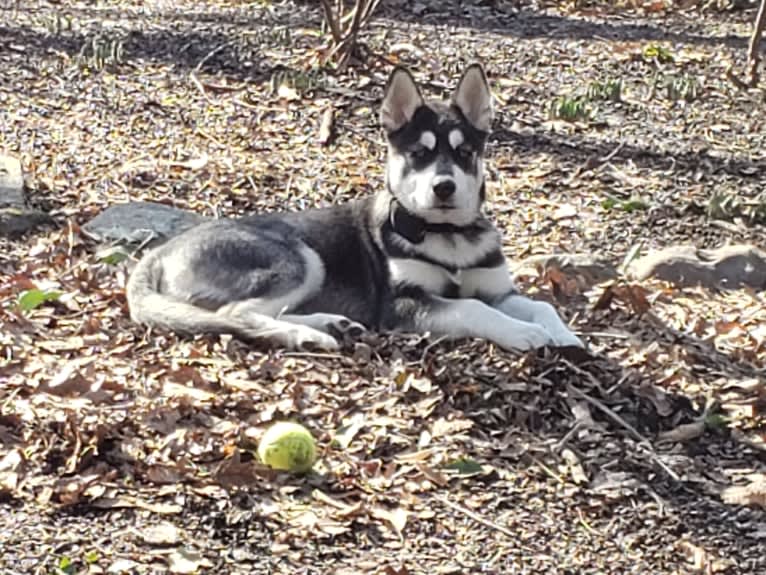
418	256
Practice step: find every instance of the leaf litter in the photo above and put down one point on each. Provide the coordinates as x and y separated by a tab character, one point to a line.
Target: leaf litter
434	456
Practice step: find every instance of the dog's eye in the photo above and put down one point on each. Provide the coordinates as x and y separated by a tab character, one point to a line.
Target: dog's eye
419	153
465	153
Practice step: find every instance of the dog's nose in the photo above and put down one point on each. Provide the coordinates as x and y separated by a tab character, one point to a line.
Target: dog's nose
444	189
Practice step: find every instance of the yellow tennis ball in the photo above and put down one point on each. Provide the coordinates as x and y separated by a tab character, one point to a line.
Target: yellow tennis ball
287	446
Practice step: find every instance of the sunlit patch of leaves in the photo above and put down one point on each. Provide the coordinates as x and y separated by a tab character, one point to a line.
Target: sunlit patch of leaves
34	298
569	109
728	206
100	52
657	53
609	90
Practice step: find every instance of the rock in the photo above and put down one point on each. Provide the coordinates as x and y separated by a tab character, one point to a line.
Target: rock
588	266
16	217
11	182
15	221
728	267
140	223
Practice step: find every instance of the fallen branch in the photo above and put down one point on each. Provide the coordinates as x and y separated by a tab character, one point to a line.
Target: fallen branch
345	26
486	522
644	442
753	55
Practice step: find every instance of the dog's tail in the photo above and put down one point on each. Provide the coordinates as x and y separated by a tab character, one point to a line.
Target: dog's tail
149	306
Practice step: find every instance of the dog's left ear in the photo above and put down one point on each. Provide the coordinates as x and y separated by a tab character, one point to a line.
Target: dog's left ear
474	98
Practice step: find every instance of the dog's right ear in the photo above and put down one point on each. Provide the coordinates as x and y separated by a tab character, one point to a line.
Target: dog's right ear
402	98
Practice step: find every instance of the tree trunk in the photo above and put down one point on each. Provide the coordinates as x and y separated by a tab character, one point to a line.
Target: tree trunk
753	49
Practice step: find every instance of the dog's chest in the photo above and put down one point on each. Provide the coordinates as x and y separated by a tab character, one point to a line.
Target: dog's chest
435	279
483	280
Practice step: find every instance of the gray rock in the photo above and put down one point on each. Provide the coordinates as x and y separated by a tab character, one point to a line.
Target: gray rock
140	223
590	267
15	221
728	267
16	217
11	182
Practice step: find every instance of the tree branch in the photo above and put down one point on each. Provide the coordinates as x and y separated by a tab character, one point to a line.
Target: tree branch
753	55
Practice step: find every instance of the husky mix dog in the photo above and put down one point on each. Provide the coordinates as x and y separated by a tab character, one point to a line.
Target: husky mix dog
419	256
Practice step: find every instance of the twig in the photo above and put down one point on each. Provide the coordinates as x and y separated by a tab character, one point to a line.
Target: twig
353	130
613	153
210	54
604	334
632	430
200	87
479	519
329	17
546	469
753	56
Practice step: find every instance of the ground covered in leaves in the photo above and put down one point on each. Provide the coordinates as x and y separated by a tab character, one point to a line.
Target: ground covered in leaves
124	451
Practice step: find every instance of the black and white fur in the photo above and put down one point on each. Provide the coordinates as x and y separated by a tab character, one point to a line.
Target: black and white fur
418	256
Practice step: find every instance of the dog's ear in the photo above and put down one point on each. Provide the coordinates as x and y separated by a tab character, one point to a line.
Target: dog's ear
474	98
401	99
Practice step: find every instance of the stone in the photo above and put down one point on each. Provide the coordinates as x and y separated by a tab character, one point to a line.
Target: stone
147	223
592	268
15	221
11	182
16	218
727	267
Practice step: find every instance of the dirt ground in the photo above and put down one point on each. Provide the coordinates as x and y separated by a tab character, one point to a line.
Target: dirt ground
124	451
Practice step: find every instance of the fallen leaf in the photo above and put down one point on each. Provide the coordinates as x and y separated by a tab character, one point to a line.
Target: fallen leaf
345	434
121	566
444	427
186	561
326	126
754	493
465	467
161	534
287	93
397	517
684	432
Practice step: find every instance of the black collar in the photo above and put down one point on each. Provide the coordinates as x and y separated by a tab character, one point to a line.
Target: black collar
414	228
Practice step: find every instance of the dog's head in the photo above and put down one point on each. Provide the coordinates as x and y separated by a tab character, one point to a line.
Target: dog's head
435	149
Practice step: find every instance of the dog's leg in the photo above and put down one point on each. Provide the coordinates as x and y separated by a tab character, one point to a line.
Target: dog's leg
469	318
540	313
282	331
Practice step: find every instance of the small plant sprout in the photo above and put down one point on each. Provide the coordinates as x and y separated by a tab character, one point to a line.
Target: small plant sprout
569	109
610	90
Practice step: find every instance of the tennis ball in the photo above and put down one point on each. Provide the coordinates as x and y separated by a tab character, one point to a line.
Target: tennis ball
287	446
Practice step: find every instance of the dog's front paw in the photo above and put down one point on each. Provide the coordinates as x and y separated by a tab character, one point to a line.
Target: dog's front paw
565	338
334	324
527	338
302	337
